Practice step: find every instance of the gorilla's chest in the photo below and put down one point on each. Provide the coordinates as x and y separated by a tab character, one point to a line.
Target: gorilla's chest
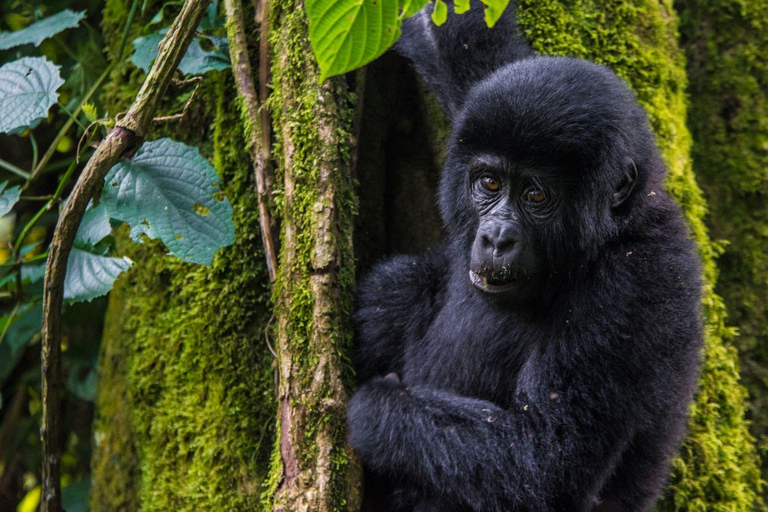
475	353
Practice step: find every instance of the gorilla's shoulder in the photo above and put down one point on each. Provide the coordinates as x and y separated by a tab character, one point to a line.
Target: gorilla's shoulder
396	303
400	277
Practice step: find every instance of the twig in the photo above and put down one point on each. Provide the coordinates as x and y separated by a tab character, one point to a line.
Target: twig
198	81
255	117
121	142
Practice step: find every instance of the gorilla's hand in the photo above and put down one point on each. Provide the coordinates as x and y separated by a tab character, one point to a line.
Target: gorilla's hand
364	414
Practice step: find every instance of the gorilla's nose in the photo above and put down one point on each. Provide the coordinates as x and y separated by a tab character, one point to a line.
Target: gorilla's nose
499	238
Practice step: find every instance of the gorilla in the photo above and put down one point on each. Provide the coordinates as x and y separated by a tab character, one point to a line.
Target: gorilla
542	358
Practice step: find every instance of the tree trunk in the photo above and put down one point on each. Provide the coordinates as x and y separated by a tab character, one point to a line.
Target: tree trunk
190	414
312	468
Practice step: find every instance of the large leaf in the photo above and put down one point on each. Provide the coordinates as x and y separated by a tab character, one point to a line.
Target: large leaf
168	191
90	275
346	34
8	197
27	90
37	32
196	61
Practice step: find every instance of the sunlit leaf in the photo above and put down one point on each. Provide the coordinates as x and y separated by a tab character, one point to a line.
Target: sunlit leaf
168	191
28	88
40	30
440	13
346	34
460	6
493	10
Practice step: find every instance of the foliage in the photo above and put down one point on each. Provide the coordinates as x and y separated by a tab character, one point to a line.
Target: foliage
727	49
41	30
166	190
27	91
196	61
347	34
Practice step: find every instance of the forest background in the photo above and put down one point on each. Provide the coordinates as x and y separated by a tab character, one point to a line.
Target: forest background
207	381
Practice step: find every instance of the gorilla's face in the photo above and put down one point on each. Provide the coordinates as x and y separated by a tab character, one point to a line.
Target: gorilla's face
512	203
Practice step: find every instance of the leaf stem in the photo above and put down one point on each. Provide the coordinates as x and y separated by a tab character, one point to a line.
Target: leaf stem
11	318
33	142
128	22
8	166
69	114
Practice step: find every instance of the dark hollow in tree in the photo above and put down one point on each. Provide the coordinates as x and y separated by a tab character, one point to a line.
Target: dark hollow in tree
544	356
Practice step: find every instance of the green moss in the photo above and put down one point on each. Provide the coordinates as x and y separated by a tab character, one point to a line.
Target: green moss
195	378
115	463
727	48
716	469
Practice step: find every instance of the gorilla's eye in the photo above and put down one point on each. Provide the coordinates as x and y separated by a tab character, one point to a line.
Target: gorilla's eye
535	195
490	183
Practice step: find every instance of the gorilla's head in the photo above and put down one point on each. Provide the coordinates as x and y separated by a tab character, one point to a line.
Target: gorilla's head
549	160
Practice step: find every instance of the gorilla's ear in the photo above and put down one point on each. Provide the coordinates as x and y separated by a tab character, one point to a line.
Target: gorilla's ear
626	185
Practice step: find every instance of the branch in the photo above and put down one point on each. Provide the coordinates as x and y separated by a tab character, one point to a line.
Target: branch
121	142
255	117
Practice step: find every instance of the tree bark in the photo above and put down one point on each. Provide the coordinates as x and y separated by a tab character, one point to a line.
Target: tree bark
314	469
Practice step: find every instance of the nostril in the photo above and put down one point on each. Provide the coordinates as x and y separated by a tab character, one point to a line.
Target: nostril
504	244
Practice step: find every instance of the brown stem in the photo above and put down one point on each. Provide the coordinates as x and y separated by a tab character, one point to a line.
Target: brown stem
121	142
256	120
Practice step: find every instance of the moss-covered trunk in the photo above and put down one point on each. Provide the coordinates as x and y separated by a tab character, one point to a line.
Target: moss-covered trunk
186	397
727	48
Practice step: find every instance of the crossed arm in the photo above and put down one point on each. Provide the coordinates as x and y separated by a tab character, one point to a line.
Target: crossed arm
540	456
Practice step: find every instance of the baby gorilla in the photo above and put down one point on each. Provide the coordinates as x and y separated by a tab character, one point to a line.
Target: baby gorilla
543	358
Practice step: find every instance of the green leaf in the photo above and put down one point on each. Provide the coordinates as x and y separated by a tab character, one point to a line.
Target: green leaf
410	7
90	275
26	324
168	191
37	32
31	274
493	10
196	61
460	6
346	34
8	197
27	90
93	228
440	13
145	50
74	497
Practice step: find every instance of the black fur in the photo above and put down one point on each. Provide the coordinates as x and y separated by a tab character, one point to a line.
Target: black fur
570	392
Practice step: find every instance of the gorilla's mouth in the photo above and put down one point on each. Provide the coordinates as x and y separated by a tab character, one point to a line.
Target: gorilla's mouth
494	283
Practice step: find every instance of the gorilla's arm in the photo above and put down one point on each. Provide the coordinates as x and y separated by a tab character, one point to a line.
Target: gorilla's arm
397	300
473	452
578	406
